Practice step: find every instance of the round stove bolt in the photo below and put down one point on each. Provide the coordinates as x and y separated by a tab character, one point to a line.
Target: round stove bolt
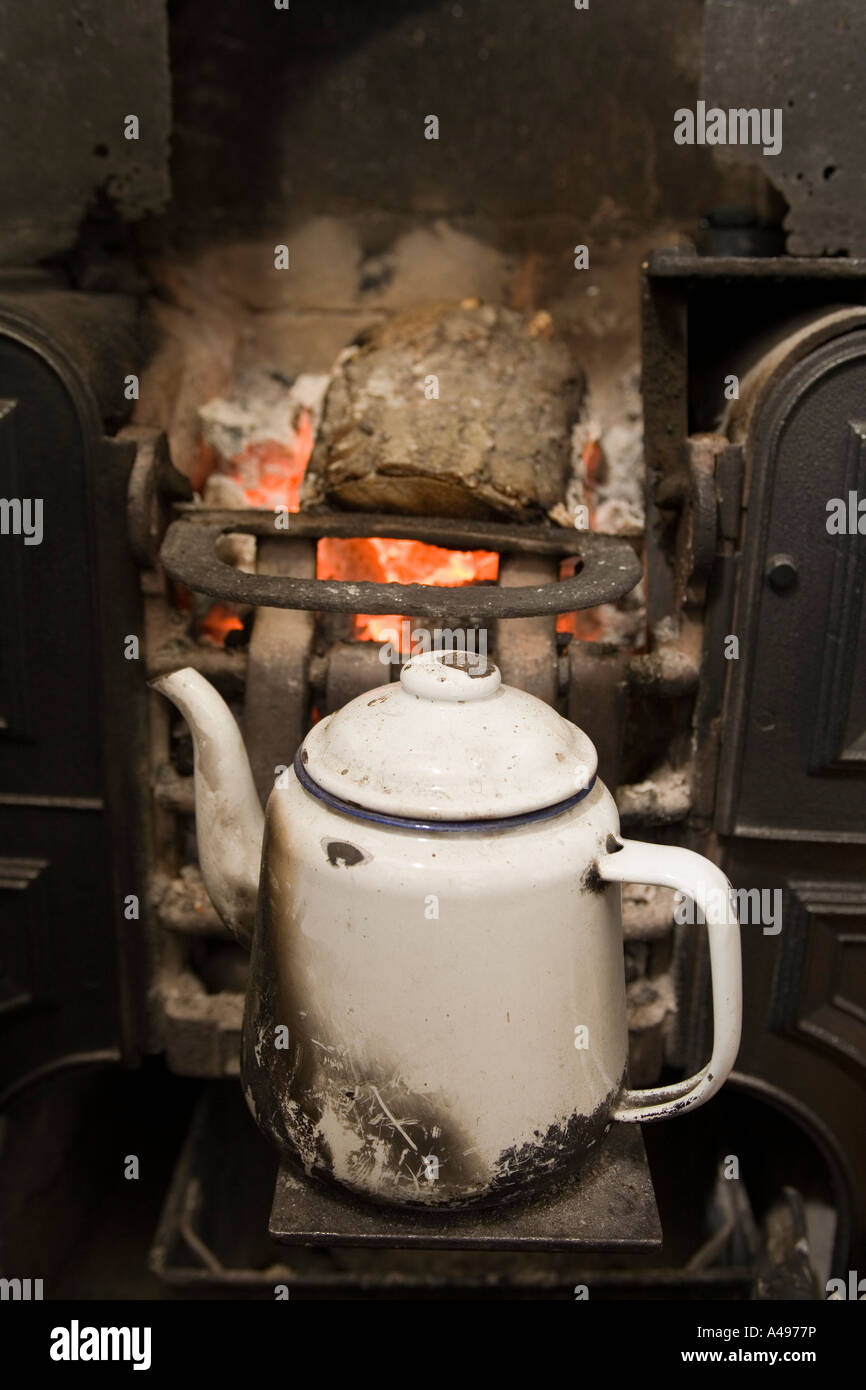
781	573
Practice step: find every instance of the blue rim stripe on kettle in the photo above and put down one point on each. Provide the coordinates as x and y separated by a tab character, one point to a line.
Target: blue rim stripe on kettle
347	808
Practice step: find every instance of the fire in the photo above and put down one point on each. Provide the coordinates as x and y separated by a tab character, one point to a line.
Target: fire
219	620
399	562
584	624
592	459
270	473
217	623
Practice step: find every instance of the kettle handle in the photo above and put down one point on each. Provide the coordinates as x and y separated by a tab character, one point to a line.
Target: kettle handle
633	861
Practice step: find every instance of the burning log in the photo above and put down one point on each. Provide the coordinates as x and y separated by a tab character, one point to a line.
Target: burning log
449	411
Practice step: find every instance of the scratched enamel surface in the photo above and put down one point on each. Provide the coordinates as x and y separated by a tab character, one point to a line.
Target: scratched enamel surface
447	742
437	1016
431	988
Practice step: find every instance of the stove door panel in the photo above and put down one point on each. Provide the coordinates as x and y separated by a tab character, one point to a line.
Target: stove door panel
58	991
794	744
69	762
804	995
49	744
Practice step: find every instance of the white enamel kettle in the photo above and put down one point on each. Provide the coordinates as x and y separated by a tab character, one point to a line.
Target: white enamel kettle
436	1009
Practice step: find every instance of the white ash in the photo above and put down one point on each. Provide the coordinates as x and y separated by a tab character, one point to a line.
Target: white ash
660	799
264	405
615	497
666	631
649	1001
647	911
221	490
308	392
623	622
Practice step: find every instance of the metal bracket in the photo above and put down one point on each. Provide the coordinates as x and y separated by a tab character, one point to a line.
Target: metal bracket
608	566
154	483
698	527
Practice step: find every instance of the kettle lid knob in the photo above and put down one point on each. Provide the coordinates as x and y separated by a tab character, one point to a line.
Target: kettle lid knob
452	676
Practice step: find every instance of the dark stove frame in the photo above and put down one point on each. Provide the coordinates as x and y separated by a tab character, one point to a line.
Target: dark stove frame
804	1042
72	965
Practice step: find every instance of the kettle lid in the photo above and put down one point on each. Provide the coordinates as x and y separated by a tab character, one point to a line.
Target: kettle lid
448	742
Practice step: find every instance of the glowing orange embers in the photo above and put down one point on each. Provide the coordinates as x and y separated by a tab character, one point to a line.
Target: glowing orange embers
270	474
399	562
213	626
217	623
584	624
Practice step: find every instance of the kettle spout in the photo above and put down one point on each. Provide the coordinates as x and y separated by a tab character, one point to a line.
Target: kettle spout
228	814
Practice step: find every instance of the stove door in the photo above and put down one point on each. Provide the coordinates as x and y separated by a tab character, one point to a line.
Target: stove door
794	740
64	821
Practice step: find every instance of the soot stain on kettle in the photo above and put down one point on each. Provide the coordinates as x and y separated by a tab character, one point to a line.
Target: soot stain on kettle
357	1126
346	1117
592	881
374	1147
364	1140
342	1116
557	1154
388	1144
342	854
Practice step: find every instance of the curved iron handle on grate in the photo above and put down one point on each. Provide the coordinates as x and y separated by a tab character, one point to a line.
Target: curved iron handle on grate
608	569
